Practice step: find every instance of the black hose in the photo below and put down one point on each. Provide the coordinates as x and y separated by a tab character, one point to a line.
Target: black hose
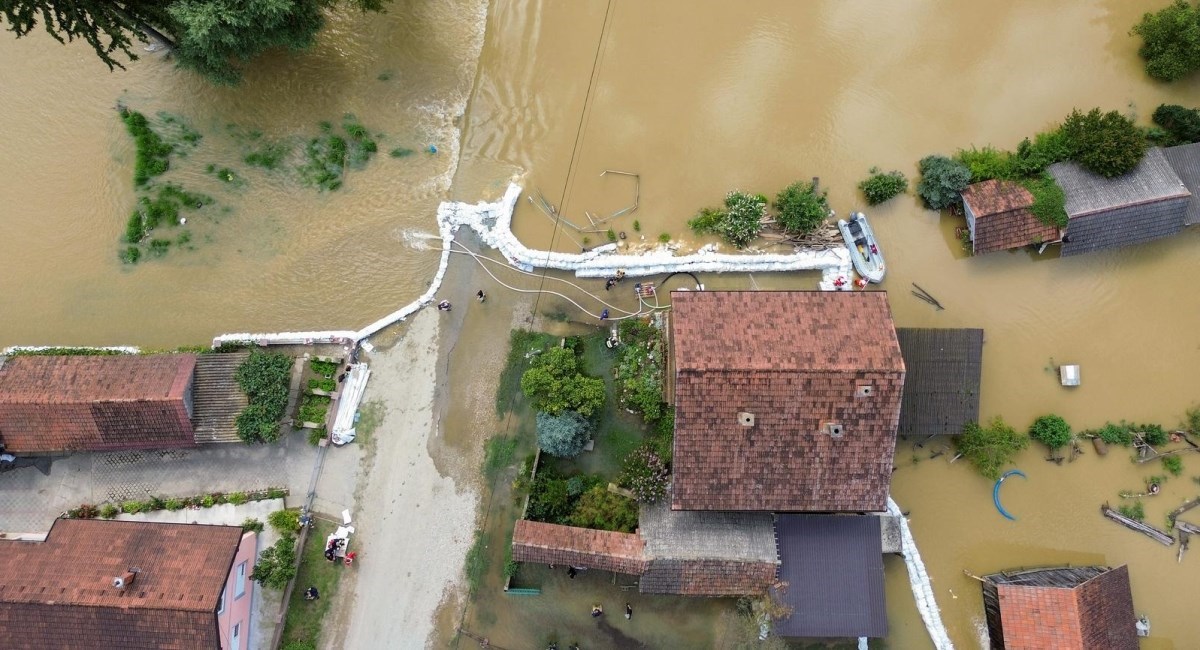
687	273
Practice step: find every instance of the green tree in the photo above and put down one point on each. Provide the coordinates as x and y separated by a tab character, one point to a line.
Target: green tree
554	384
739	223
276	564
563	435
212	37
1183	124
286	521
1108	144
1052	431
603	510
801	208
992	447
1170	41
941	181
880	186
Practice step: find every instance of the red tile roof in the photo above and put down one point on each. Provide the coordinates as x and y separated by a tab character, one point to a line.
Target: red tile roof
95	403
1096	615
535	541
1002	217
59	594
796	361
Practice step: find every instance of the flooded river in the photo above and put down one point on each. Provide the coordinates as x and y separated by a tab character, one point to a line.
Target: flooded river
697	99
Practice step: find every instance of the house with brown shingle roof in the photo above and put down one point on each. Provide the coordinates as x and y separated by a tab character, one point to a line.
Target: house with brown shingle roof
65	403
785	401
999	218
129	585
1083	608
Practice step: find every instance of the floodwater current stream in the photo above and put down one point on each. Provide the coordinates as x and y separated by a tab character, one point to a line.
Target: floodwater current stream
698	98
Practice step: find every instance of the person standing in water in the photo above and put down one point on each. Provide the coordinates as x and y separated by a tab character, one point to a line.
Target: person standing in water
628	611
481	295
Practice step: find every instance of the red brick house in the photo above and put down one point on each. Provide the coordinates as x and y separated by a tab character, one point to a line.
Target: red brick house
55	404
998	217
1083	608
785	401
123	584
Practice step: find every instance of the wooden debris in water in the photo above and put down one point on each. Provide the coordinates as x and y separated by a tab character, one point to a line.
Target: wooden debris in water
926	296
1190	529
1153	533
1187	505
1184	537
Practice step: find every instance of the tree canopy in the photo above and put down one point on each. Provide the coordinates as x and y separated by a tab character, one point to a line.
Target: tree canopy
1170	41
1108	144
554	384
1052	431
802	209
941	181
564	435
211	37
992	447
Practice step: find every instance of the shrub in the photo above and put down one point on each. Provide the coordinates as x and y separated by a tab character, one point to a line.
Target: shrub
327	385
611	234
1052	431
1173	464
990	448
637	226
941	181
252	525
880	186
131	255
276	493
603	510
313	408
315	435
237	498
276	564
739	223
645	473
152	152
988	163
563	435
207	501
664	238
1170	41
1108	144
173	504
801	208
554	384
1182	124
133	506
1193	420
1047	148
285	521
108	511
264	377
401	152
1134	511
549	498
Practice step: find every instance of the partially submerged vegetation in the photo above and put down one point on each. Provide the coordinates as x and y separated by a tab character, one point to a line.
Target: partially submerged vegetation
329	154
879	186
800	209
989	448
1170	41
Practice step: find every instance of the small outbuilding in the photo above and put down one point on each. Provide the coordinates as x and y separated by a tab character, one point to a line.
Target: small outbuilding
944	370
999	217
1083	608
1185	160
1150	202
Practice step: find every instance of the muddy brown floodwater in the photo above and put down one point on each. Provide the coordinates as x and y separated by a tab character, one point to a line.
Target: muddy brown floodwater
698	98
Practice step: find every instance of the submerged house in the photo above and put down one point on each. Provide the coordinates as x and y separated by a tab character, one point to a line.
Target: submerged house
1147	203
999	218
132	585
1083	608
57	404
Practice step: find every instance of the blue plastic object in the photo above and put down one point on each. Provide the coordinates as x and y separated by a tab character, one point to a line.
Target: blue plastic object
996	491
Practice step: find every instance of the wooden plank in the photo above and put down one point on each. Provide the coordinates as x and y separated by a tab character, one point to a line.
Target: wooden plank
1153	533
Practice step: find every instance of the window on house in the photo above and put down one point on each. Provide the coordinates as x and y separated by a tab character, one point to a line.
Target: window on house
239	587
235	638
221	602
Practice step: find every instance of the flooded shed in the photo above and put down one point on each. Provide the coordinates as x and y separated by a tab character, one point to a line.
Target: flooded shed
943	373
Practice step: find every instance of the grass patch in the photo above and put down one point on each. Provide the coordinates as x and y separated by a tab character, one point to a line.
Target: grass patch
520	343
477	562
498	454
328	155
268	155
303	620
370	416
178	132
313	408
225	175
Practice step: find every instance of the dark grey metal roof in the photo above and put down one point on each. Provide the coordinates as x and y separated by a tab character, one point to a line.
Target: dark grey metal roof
943	368
833	567
695	535
1087	193
1126	226
1185	160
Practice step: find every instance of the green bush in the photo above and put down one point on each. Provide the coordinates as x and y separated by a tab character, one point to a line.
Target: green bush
327	385
1192	420
237	498
1052	431
801	208
563	435
664	238
133	506
603	510
108	511
286	521
313	408
325	369
611	234
264	377
252	525
315	435
173	504
1108	144
1134	511
739	223
1170	41
637	226
941	181
549	498
1182	124
207	501
880	187
1173	464
553	383
990	448
644	472
276	564
1047	148
640	367
988	163
153	154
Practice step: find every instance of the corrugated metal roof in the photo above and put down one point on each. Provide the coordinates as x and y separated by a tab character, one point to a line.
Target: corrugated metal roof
941	385
1087	193
833	567
1185	160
